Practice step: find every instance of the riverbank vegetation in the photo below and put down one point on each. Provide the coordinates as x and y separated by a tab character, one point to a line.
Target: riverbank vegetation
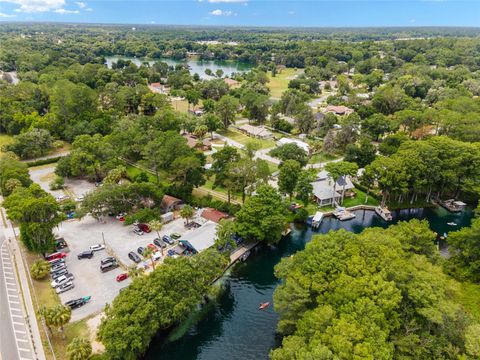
378	294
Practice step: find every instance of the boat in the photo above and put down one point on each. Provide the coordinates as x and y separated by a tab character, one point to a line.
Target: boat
452	223
317	219
343	214
264	305
452	205
384	213
245	256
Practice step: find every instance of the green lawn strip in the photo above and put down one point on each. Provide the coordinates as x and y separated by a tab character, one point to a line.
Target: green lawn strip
279	83
469	297
322	157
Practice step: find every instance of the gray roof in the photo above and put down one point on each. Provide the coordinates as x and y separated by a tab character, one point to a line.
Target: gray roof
203	237
323	190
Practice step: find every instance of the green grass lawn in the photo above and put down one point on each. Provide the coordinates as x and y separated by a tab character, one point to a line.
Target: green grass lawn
5	140
469	297
321	157
244	139
279	83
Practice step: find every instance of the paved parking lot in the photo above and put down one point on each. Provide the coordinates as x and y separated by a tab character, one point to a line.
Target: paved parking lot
80	235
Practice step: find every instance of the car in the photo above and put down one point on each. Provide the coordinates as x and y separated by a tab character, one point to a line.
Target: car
171	252
57	267
153	247
141	250
56	262
159	243
168	239
76	303
60	243
134	257
61	280
59	273
144	228
119	216
57	255
62	198
138	231
108	266
65	287
107	260
121	277
156	256
85	255
80	198
175	236
97	247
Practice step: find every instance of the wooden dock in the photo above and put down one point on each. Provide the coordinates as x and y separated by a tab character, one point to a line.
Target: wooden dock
239	252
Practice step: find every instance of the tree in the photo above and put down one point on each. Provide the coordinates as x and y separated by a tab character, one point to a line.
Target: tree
13	174
465	260
340	169
187	212
31	144
57	316
212	122
148	254
40	269
115	175
288	177
221	166
37	213
192	96
376	125
362	154
187	173
304	186
134	271
263	217
290	152
256	105
79	349
226	109
156	226
224	235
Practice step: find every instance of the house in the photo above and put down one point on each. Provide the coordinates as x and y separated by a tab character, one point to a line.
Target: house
193	143
302	145
158	88
200	238
213	215
170	203
259	132
323	188
231	83
338	110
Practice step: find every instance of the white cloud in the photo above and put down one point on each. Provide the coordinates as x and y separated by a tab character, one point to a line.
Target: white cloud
36	6
3	15
81	4
291	12
219	12
65	11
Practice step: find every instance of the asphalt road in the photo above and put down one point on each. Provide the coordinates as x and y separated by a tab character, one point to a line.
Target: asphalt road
14	341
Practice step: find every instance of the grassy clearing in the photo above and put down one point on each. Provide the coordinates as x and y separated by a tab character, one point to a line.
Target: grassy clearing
180	105
279	83
5	140
244	139
469	297
321	157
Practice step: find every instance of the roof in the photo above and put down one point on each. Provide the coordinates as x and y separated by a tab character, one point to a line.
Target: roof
231	82
192	141
168	201
256	130
203	237
340	110
323	190
343	182
318	216
302	145
213	215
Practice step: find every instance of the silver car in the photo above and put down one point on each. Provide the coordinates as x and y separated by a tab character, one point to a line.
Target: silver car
61	280
65	287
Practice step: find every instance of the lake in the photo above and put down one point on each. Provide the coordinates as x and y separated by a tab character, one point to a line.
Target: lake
234	328
196	66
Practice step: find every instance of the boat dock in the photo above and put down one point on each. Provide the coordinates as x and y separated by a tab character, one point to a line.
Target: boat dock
240	251
452	205
343	214
384	213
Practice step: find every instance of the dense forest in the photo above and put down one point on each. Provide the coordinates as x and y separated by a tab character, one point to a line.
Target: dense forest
401	117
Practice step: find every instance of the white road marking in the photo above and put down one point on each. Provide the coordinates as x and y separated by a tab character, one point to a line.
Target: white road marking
17	316
23	349
13	302
18	323
20	331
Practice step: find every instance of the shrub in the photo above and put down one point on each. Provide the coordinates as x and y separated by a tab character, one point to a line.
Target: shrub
40	269
58	183
142	216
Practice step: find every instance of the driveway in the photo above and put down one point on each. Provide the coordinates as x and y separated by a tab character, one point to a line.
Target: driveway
43	175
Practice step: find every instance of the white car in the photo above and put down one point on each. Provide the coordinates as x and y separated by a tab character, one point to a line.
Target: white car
62	280
62	197
156	256
80	198
97	247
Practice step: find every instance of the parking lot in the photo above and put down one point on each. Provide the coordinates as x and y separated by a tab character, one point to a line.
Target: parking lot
119	241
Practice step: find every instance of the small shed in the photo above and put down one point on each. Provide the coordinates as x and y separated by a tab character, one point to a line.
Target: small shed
170	203
167	217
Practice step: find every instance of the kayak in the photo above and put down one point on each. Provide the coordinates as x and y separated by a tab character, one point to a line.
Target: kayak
452	223
263	305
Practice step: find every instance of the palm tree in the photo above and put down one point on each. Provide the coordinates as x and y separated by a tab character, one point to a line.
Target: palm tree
186	212
156	226
148	254
61	315
40	269
134	271
79	349
46	313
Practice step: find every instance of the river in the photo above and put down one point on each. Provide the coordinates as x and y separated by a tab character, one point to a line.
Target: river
234	328
196	66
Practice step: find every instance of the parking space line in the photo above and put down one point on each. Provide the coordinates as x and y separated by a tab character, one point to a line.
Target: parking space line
20	331
23	349
18	323
13	302
22	340
17	316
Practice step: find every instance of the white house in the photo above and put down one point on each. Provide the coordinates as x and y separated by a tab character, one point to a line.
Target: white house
300	144
323	188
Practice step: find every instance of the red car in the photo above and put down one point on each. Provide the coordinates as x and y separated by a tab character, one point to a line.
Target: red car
144	227
122	277
153	247
54	256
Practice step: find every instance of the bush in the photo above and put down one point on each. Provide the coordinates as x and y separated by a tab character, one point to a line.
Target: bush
57	184
40	269
142	216
301	215
79	349
68	206
208	201
44	161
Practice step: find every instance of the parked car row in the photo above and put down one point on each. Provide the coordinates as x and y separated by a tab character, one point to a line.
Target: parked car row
140	229
62	280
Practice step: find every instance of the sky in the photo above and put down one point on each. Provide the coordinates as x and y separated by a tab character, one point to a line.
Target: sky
312	13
